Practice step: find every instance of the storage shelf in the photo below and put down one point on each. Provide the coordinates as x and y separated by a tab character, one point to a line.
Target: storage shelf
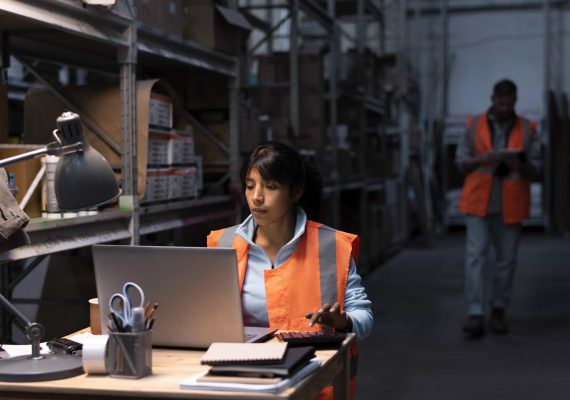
158	47
95	24
370	103
162	217
63	31
55	235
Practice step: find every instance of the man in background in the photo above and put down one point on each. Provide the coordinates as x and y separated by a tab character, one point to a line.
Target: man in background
499	155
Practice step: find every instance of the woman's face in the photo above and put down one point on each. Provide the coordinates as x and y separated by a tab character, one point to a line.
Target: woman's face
269	201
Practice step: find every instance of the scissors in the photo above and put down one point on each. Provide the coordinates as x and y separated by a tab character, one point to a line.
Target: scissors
122	304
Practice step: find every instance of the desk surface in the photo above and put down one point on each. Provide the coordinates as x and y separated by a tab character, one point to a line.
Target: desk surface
170	368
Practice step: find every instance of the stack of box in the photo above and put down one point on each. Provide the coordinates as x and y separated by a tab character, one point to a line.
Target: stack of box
173	171
274	101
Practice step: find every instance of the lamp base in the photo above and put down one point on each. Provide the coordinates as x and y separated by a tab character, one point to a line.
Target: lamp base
50	367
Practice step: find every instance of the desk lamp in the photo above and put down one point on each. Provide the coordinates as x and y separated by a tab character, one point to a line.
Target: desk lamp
83	180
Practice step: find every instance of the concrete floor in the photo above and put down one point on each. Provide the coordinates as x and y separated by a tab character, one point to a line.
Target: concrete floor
417	350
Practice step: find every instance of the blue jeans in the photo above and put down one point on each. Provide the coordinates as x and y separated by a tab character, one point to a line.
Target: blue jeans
481	233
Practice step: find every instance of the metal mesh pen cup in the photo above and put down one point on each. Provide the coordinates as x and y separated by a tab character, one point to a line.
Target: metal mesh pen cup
130	354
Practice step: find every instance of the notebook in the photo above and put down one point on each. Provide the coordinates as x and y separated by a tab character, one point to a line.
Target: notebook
196	288
294	359
302	373
243	353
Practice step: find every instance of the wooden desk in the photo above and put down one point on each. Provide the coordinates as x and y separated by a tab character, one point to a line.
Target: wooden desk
170	368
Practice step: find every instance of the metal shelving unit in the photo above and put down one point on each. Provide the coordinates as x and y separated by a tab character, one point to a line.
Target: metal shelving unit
336	20
111	41
54	235
114	43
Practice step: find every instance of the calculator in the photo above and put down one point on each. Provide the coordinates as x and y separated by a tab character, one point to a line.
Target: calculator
316	339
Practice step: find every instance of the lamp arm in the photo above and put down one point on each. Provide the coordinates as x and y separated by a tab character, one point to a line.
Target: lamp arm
52	149
34	330
24	156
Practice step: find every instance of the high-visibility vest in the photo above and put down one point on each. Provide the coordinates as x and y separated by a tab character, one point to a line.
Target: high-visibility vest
315	274
478	183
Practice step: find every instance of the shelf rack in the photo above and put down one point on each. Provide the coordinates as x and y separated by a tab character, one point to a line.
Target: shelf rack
111	41
333	17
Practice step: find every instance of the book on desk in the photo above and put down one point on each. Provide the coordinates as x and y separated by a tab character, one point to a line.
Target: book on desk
243	375
294	359
273	386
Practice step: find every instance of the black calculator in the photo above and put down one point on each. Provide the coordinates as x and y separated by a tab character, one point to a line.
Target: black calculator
316	339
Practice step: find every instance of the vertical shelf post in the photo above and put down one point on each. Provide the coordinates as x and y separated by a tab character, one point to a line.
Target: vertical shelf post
294	70
127	57
331	132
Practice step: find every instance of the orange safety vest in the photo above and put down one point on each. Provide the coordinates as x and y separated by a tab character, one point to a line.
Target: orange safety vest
315	274
515	187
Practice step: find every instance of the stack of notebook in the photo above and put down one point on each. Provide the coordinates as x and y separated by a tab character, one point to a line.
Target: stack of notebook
259	366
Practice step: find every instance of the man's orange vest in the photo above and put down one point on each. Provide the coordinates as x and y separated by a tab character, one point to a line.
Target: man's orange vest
477	185
315	274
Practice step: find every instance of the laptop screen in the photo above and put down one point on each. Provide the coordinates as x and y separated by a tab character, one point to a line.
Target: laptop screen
196	288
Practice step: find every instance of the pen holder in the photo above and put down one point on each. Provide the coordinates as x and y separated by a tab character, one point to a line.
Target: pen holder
130	354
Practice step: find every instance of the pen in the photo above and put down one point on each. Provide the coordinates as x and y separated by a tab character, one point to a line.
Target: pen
152	311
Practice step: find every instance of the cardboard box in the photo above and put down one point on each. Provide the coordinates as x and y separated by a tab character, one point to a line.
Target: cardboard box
157	180
174	185
181	147
275	104
197	162
188	181
160	111
158	147
103	105
24	173
215	27
276	68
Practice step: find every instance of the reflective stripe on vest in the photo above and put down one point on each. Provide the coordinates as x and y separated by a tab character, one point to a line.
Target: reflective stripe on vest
478	183
228	236
327	265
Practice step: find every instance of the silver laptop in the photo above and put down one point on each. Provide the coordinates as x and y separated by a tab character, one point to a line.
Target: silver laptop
196	288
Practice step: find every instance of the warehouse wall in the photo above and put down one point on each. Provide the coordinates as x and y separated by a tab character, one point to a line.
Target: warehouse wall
483	48
487	47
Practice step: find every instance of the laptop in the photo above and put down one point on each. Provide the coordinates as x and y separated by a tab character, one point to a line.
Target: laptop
196	288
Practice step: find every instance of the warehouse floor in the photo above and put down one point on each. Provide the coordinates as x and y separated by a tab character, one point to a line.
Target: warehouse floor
417	351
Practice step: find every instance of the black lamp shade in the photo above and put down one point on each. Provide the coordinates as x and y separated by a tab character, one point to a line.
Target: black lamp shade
83	179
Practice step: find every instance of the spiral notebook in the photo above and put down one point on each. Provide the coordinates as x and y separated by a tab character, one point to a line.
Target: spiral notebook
243	353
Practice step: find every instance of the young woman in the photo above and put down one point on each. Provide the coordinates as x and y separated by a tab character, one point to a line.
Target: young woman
294	274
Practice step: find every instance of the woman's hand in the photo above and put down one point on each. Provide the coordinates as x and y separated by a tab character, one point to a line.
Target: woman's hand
330	315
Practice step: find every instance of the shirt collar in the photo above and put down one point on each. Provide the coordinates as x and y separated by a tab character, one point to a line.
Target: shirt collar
246	229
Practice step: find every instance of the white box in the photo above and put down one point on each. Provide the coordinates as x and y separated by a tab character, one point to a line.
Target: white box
158	147
160	111
181	147
156	185
187	179
197	161
174	185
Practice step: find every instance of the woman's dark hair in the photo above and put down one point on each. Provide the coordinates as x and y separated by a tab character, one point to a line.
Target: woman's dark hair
281	163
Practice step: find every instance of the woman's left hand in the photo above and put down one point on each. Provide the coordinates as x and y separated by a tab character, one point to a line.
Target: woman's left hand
329	315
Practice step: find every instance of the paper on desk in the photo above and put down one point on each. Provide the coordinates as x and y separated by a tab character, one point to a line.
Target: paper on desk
192	383
15	350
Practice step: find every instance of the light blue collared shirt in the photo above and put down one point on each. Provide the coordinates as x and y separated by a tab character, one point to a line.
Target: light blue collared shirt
254	302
